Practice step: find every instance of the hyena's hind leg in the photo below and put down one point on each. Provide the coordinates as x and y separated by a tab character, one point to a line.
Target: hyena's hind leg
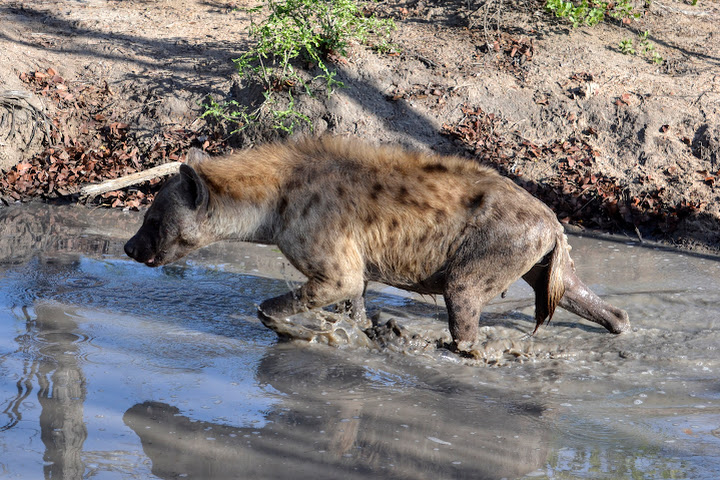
577	298
482	269
580	300
465	301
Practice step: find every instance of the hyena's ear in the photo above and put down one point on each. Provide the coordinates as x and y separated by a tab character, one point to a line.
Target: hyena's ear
197	189
195	156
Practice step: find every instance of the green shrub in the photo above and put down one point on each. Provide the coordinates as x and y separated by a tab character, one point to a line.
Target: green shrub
591	12
627	47
298	33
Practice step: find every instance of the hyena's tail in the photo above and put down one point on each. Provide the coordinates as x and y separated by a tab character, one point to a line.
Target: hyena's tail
551	288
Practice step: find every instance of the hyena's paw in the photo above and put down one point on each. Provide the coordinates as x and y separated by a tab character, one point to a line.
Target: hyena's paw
619	323
278	324
317	326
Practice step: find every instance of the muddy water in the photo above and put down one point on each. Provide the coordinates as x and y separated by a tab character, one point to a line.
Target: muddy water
109	369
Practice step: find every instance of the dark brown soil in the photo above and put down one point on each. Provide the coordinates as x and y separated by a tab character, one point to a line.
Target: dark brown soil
613	142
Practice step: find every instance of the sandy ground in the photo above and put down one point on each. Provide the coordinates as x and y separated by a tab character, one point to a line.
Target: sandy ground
611	141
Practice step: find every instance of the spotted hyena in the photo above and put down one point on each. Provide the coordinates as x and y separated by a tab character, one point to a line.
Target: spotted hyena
345	213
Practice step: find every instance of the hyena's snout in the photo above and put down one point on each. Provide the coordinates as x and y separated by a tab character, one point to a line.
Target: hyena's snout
131	248
137	249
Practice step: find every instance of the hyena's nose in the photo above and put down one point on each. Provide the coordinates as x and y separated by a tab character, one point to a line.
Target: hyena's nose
131	249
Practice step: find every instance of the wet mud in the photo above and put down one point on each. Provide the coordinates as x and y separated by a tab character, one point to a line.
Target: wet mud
109	369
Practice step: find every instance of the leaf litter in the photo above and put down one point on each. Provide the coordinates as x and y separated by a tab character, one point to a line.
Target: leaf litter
90	143
572	184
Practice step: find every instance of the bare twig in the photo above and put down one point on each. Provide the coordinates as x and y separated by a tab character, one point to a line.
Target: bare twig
426	60
639	235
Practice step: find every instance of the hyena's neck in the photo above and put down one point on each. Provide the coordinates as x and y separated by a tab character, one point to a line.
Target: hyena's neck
242	188
233	219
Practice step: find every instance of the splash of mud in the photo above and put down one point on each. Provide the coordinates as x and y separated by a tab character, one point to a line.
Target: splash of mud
413	335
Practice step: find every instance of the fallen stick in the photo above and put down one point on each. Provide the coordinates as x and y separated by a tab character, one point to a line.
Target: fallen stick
96	189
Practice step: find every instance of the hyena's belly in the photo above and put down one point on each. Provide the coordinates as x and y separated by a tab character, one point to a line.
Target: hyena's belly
419	272
416	259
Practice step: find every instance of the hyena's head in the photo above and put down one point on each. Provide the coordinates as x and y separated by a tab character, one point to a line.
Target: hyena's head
173	225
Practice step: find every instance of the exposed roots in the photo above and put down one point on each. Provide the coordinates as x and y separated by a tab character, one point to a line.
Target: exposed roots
20	120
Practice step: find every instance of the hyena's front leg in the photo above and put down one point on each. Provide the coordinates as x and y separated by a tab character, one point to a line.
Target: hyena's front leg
315	294
355	307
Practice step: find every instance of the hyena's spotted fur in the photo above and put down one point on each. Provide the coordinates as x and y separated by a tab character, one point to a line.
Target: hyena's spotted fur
344	213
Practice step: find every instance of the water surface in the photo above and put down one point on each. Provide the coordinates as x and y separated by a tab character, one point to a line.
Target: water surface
110	369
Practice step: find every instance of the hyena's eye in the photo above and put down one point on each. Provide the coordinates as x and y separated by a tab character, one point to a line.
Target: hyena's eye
168	229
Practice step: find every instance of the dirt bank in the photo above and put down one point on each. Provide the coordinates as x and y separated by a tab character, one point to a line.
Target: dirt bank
611	141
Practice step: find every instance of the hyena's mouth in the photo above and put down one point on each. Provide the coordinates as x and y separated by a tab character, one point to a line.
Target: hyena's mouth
159	259
154	261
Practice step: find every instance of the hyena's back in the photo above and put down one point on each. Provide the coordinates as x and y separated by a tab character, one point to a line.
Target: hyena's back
342	210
